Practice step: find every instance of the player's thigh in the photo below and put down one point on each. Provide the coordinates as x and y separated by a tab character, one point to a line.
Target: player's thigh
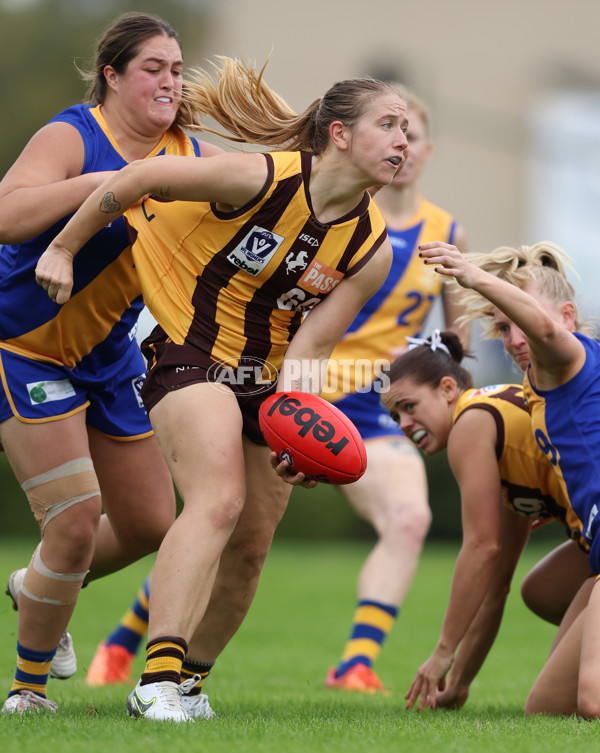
34	448
589	668
199	430
550	586
135	481
577	604
267	494
394	483
555	688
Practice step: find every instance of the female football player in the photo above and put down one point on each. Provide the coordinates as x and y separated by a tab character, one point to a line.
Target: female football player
562	390
229	272
71	419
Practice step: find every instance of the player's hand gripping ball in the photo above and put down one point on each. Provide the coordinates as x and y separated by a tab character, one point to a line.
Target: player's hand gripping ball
314	436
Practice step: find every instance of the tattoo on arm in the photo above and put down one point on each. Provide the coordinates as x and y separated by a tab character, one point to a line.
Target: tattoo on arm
109	203
165	192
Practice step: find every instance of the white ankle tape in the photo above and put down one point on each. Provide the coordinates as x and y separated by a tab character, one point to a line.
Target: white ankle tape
47	587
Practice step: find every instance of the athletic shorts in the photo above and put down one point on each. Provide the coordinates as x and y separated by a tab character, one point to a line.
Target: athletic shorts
39	392
369	415
174	367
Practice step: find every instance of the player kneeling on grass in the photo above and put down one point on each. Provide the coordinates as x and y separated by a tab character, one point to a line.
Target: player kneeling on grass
562	391
505	481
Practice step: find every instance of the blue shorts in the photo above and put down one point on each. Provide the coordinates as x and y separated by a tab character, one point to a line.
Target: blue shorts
369	415
38	392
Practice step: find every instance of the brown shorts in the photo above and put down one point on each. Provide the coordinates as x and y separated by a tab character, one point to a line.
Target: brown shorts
194	367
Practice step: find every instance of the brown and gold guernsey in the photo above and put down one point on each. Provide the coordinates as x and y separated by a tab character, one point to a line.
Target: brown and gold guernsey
529	484
240	283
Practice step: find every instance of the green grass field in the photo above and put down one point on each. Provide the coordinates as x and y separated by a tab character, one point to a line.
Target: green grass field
267	688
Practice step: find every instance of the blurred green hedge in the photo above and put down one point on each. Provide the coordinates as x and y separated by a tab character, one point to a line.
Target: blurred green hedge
312	513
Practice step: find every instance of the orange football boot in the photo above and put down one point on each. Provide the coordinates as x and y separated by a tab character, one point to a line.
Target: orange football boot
111	665
358	678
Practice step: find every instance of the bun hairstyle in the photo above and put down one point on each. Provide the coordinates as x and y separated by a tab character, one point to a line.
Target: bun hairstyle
428	361
544	264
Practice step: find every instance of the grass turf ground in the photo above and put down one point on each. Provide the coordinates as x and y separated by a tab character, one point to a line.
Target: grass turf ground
267	688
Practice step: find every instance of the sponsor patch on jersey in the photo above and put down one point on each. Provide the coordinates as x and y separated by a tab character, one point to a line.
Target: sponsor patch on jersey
137	383
320	278
46	392
255	251
486	390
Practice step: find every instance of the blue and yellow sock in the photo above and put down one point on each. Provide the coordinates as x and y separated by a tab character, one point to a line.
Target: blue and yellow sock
372	624
33	668
134	624
164	657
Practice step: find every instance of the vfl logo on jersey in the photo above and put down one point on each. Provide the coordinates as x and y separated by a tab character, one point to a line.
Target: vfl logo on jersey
292	264
256	250
320	278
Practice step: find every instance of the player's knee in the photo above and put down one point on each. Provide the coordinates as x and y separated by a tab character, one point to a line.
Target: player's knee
61	489
588	700
408	527
540	601
530	595
75	531
226	513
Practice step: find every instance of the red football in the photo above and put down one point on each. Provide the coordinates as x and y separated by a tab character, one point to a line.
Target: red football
314	436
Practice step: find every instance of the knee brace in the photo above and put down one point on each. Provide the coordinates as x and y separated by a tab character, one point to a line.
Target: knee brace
52	492
47	587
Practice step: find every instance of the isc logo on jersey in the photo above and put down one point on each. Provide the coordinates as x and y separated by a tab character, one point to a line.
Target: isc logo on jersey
255	250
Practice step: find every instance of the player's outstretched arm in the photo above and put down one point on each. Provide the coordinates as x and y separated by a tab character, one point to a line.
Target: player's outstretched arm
472	457
231	179
554	351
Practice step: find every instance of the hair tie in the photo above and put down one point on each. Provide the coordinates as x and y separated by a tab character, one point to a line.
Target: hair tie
434	342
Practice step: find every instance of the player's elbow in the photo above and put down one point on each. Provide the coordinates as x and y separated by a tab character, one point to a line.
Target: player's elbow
483	550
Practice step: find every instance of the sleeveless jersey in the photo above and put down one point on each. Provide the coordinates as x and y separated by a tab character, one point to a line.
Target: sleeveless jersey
399	308
529	485
240	283
566	425
95	327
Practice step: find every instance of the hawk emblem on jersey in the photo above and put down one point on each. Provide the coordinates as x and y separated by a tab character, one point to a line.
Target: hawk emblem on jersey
292	264
255	251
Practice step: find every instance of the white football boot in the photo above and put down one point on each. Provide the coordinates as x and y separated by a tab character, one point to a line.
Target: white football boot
158	701
197	706
64	664
25	700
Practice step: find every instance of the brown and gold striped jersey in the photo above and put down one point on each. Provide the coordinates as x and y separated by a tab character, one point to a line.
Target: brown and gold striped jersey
529	484
235	285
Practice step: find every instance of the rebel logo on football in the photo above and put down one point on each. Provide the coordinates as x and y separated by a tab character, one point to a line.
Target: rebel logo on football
307	421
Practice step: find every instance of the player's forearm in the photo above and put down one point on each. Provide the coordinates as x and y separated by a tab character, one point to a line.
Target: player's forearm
519	306
477	642
467	593
108	202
